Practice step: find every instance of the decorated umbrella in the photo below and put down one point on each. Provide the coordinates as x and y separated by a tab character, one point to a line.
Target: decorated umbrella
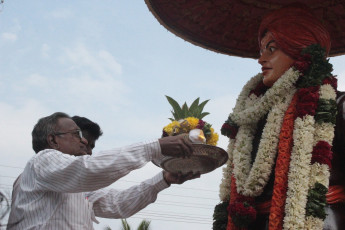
231	27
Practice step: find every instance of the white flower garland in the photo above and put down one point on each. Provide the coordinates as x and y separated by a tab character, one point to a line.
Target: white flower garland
298	177
302	175
251	115
320	173
252	179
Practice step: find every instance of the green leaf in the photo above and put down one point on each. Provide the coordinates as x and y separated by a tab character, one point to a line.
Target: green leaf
193	106
197	112
185	110
202	105
176	107
125	225
144	225
203	115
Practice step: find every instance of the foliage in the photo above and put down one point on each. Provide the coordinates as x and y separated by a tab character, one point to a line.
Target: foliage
144	225
317	201
220	216
180	112
125	225
319	68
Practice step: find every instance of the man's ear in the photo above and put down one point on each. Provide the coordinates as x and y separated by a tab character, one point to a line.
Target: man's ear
52	142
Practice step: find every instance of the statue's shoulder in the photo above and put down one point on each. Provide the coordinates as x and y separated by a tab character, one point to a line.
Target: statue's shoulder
340	97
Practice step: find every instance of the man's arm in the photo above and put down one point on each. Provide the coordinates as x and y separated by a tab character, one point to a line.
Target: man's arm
111	203
60	172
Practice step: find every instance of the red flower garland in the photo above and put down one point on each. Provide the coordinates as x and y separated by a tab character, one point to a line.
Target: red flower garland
302	63
229	130
233	197
260	89
322	153
307	101
331	81
242	211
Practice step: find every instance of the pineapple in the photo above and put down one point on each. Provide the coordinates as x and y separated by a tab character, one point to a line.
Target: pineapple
187	118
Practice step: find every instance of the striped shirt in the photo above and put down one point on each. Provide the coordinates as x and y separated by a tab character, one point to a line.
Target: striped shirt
53	191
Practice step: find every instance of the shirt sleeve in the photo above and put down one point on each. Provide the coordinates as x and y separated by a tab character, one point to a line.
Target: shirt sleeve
112	203
56	171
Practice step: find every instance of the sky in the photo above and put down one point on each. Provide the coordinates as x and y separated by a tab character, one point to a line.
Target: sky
112	61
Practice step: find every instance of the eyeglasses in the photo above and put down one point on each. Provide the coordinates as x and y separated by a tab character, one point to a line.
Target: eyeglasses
78	133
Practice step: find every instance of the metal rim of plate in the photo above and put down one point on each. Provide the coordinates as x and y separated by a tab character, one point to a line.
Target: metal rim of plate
205	159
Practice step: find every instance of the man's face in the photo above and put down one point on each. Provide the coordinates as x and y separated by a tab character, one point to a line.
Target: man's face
91	142
67	138
273	60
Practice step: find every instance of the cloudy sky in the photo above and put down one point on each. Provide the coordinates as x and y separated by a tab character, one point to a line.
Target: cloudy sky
112	62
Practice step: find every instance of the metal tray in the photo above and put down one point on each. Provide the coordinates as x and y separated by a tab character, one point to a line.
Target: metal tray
205	159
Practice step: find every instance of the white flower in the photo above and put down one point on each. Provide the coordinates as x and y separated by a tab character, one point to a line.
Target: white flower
325	132
327	92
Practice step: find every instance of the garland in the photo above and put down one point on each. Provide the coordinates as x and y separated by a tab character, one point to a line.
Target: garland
282	168
301	112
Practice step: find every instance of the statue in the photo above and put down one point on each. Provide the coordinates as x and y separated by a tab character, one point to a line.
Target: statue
286	167
286	163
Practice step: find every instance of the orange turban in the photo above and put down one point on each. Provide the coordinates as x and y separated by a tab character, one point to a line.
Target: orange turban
294	28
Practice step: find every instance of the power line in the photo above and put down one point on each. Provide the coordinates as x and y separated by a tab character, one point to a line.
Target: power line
179	187
170	213
170	220
188	206
130	181
196	197
172	203
179	219
177	215
198	189
9	176
121	180
6	166
197	204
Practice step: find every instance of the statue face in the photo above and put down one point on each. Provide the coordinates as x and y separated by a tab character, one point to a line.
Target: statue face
273	60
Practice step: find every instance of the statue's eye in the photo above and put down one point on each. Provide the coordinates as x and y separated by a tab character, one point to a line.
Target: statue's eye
272	49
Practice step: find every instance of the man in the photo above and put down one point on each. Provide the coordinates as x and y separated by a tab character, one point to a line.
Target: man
53	189
91	131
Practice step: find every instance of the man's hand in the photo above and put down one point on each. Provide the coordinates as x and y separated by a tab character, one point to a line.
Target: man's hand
176	146
179	178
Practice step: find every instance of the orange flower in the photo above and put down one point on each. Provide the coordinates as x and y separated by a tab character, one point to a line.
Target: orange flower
282	167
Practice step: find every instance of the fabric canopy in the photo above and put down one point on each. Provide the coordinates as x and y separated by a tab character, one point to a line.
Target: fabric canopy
231	26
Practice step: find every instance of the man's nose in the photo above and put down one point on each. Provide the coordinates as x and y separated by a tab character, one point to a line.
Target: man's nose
84	141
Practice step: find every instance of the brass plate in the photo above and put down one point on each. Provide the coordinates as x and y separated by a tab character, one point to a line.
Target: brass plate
206	158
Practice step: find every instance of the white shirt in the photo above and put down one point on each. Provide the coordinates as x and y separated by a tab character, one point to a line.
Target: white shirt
53	190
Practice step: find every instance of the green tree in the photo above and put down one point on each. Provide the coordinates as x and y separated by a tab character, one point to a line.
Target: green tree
144	225
125	225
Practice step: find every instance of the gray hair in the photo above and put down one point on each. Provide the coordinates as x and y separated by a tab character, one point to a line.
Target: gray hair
45	127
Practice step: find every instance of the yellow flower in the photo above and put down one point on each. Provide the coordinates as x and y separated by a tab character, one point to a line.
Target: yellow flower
193	122
213	139
172	128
